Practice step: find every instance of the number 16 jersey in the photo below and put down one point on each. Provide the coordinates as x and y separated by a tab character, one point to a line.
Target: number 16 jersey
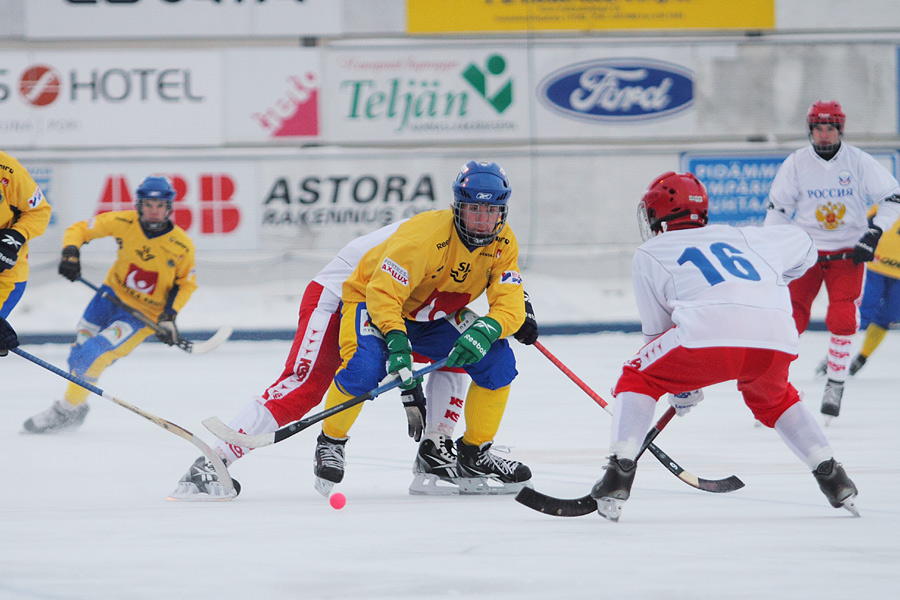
722	285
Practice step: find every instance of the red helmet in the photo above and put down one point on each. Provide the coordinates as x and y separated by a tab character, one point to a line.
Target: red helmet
673	201
826	112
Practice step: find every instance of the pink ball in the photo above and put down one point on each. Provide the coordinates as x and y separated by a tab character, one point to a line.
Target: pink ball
337	501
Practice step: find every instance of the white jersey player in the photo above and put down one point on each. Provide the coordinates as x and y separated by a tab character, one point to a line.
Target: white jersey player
714	307
825	188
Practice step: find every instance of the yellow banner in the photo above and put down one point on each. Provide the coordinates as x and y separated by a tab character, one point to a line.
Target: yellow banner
480	16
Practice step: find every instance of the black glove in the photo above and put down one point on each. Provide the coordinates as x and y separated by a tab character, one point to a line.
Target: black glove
528	332
11	242
864	250
168	333
8	338
70	264
414	403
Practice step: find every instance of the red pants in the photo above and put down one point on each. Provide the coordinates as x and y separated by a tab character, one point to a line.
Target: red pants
844	284
761	374
312	361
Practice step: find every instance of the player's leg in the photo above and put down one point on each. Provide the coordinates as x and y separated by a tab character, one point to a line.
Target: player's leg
844	283
105	334
880	308
776	403
10	294
308	371
363	360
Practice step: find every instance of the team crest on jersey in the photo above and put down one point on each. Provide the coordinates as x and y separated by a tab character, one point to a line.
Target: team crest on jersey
140	280
511	277
844	178
830	215
395	271
145	254
36	198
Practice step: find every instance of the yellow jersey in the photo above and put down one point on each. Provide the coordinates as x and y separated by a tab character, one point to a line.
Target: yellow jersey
424	272
887	253
149	274
24	208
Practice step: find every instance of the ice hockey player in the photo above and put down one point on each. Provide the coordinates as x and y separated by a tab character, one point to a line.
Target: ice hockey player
395	303
824	188
714	307
309	370
24	215
881	295
153	274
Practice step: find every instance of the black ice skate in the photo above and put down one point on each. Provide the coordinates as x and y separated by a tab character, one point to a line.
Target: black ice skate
434	472
201	484
836	486
857	364
483	472
614	488
329	467
831	399
61	416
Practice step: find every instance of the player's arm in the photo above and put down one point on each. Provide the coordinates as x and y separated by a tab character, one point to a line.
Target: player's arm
184	285
398	269
32	215
505	292
783	194
649	280
78	234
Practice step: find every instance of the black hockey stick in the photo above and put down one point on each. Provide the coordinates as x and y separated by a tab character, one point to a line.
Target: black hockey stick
578	507
831	257
217	339
236	438
181	432
717	486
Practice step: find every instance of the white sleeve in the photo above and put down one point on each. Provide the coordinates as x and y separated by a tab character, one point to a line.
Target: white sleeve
783	195
803	253
882	188
650	280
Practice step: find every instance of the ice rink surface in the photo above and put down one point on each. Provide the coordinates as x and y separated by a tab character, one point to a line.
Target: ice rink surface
84	514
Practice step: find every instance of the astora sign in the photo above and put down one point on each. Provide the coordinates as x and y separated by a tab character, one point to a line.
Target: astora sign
618	89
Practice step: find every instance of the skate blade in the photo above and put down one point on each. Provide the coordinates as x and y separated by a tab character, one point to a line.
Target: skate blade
425	484
610	508
485	486
323	486
187	495
850	505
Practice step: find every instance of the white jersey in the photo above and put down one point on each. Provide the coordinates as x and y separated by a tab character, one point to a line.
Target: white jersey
334	274
722	286
829	198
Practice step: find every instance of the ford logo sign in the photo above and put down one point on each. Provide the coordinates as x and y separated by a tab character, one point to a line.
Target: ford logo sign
620	89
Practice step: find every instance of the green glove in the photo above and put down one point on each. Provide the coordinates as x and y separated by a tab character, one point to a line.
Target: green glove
474	343
400	358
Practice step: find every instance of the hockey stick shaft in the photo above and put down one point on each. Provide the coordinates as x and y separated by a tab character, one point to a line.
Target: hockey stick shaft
181	432
729	484
188	346
236	438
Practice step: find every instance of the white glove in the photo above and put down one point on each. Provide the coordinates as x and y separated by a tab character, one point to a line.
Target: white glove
685	401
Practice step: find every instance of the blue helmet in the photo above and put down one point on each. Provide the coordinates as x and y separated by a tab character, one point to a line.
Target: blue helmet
480	183
155	188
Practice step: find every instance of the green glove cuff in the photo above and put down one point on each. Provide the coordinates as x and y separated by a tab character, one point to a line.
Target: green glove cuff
397	342
487	327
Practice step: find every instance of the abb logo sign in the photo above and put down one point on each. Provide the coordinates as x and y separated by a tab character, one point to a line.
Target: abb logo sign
216	212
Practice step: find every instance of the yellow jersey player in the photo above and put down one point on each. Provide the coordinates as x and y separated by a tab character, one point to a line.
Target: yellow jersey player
24	214
395	303
881	294
153	274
